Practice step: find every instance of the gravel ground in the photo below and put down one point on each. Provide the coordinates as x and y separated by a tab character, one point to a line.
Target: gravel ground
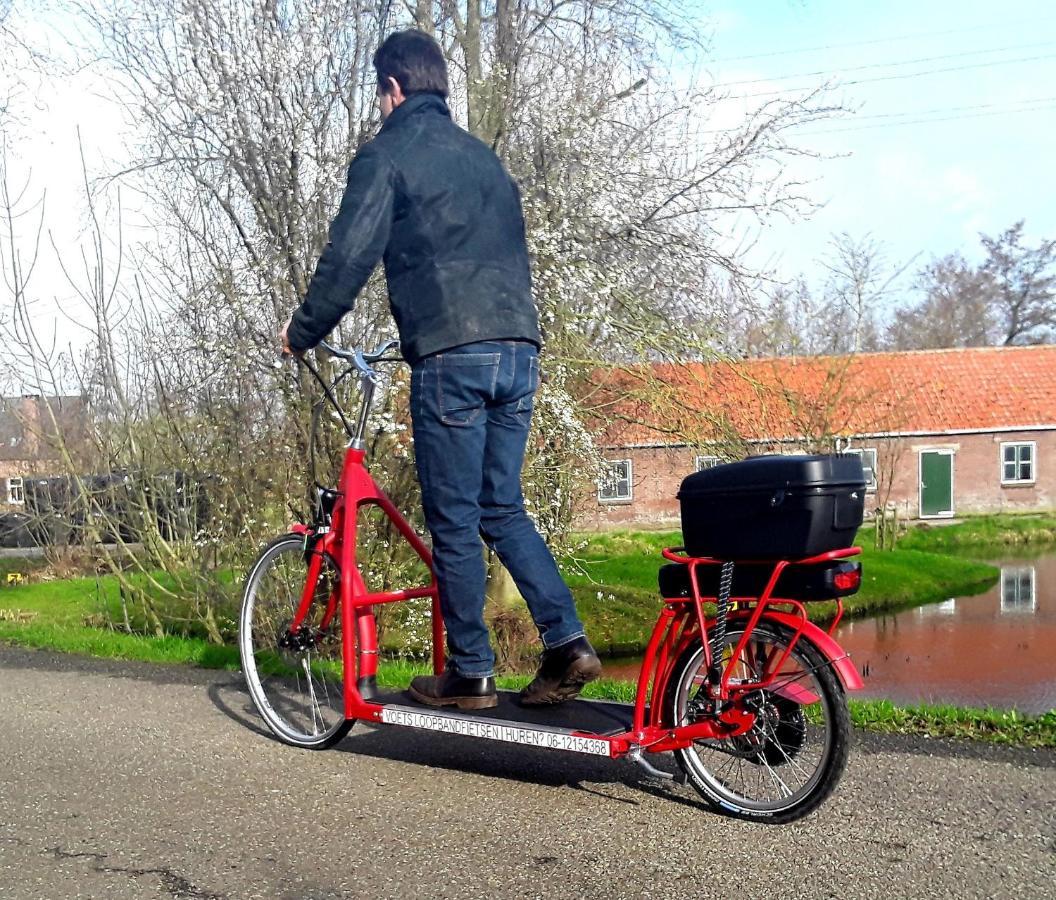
129	780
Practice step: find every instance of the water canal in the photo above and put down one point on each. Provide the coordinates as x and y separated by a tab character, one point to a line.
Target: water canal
995	649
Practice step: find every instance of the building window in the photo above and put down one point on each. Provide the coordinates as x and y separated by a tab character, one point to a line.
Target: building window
15	491
616	485
868	458
1017	463
707	462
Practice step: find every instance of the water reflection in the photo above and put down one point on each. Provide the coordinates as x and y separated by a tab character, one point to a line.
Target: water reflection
995	649
1017	589
945	608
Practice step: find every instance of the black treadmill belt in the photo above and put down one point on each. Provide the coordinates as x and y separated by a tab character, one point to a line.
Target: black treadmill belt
591	716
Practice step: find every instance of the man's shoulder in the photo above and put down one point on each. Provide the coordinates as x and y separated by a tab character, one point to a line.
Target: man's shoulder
374	150
466	140
426	137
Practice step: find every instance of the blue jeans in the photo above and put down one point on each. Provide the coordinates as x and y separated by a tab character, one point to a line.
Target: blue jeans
471	407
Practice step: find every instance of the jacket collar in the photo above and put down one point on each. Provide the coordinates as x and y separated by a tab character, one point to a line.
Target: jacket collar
414	104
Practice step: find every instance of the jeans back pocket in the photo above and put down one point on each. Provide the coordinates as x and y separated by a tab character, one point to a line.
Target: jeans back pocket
464	383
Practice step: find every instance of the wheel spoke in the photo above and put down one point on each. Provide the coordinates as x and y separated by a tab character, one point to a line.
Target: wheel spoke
317	715
786	791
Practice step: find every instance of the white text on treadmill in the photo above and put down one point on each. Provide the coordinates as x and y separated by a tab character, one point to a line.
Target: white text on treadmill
494	731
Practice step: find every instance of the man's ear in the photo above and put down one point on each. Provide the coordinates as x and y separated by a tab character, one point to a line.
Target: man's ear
395	91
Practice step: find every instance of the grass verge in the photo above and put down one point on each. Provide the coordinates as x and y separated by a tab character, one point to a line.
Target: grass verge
108	644
991	534
992	725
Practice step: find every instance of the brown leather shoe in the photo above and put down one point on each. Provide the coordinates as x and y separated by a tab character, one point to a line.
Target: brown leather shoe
562	674
451	689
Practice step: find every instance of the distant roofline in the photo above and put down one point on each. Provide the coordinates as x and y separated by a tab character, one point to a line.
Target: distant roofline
1012	429
741	360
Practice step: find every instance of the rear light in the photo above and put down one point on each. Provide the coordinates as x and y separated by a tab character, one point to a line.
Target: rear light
847	581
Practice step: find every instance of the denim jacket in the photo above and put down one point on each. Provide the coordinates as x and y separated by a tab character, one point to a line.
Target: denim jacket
437	205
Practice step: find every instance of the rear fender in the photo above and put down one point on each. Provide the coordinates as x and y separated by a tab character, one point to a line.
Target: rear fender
833	652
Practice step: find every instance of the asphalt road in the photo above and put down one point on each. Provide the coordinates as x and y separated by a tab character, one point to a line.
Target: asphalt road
126	780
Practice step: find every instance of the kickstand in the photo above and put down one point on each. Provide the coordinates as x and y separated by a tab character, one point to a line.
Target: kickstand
635	754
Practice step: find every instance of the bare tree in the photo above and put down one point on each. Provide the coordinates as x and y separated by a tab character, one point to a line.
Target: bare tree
7	41
843	315
783	320
20	58
890	454
1024	285
860	278
956	309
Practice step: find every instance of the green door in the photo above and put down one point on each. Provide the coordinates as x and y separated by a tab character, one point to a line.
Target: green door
936	483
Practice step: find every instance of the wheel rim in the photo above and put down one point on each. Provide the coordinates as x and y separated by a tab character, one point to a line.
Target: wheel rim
782	760
296	681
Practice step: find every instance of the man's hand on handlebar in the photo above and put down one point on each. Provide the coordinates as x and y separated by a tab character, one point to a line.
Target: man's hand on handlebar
284	340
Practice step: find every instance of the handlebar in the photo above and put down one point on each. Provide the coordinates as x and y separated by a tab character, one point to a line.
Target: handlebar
368	379
362	361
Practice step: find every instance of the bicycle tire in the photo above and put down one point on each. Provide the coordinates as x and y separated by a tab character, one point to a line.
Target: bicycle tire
297	690
771	740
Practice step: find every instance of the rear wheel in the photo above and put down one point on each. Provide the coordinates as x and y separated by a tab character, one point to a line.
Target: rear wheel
296	680
792	758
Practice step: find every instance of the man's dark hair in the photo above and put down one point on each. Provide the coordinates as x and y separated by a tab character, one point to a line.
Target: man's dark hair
415	60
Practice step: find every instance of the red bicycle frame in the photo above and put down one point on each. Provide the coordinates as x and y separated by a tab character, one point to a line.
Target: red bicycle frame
357	489
682	621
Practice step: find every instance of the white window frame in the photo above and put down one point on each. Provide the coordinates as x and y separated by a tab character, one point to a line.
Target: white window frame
870	486
699	461
1012	575
1033	462
16	483
630	483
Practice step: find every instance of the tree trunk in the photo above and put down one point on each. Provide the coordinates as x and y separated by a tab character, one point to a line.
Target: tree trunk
423	16
476	104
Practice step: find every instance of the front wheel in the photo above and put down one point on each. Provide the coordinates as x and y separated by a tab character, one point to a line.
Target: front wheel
296	679
792	758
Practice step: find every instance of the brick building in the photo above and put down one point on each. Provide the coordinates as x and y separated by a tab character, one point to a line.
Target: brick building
941	432
29	426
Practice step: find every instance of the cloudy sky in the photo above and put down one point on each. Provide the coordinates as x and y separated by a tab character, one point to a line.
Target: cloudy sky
952	131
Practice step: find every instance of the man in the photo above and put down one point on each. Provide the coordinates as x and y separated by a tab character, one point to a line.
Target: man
437	205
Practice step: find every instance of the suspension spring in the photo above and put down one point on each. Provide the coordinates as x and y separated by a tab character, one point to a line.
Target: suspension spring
718	634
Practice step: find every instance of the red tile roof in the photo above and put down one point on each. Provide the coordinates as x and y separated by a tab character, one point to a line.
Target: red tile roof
928	391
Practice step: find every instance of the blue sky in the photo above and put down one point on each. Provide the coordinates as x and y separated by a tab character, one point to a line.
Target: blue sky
927	161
